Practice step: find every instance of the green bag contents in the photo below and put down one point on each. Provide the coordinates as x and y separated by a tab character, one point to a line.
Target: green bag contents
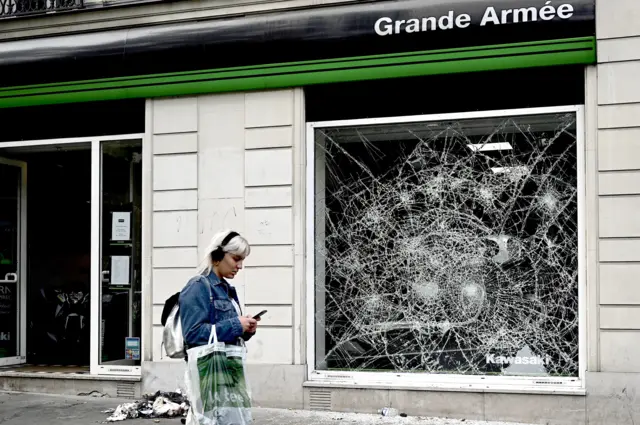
216	384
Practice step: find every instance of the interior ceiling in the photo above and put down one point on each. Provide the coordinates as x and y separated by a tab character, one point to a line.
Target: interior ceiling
66	147
428	130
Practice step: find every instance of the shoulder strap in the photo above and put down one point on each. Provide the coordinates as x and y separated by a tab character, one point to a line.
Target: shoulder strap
168	307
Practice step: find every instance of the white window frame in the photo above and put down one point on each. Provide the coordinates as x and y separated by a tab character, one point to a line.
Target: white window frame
573	385
96	244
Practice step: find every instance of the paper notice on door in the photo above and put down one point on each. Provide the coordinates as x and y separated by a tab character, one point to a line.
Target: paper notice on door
121	226
120	270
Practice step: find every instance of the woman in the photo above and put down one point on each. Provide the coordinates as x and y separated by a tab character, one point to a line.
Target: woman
208	299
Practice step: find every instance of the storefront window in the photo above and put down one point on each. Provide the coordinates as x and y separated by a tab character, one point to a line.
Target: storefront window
448	247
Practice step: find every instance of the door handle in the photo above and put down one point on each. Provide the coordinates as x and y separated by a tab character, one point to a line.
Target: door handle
10	278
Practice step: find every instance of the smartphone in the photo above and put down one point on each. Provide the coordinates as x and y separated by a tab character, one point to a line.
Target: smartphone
257	316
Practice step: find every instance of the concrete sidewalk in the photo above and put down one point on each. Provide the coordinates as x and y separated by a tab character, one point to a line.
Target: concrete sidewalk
22	409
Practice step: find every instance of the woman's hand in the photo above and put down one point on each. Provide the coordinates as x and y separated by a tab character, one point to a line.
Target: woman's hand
249	324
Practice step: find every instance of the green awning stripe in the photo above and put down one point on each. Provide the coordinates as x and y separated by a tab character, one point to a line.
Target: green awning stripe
483	58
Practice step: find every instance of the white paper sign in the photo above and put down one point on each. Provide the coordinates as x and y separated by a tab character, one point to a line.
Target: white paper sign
120	270
121	226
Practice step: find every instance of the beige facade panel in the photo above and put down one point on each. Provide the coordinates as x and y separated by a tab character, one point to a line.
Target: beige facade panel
619	116
620	351
175	200
619	149
619	250
262	197
617	18
619	183
167	177
619	217
268	285
618	82
620	283
269	137
175	229
175	257
614	317
269	109
175	115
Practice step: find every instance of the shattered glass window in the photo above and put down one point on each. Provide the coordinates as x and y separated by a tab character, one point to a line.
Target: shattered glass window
448	247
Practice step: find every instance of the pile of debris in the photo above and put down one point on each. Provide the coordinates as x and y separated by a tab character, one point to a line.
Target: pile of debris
159	405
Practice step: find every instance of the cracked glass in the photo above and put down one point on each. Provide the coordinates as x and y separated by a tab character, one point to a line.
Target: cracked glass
448	247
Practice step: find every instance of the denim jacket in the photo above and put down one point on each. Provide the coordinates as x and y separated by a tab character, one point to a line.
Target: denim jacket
198	312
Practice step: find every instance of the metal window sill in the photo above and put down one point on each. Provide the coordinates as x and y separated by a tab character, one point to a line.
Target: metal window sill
76	376
450	387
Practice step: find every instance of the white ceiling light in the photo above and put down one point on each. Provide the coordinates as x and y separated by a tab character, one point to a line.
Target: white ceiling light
515	170
482	147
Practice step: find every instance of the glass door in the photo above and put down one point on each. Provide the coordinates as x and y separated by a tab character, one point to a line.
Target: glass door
120	265
13	230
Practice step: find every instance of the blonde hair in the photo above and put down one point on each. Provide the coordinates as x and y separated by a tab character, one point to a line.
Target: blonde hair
238	245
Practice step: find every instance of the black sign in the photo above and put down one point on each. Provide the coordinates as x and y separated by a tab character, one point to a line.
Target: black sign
8	320
381	27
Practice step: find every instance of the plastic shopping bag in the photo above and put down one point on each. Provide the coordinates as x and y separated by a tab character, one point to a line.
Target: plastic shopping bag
216	384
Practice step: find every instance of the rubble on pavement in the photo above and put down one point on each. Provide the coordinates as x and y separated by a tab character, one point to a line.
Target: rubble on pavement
159	405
